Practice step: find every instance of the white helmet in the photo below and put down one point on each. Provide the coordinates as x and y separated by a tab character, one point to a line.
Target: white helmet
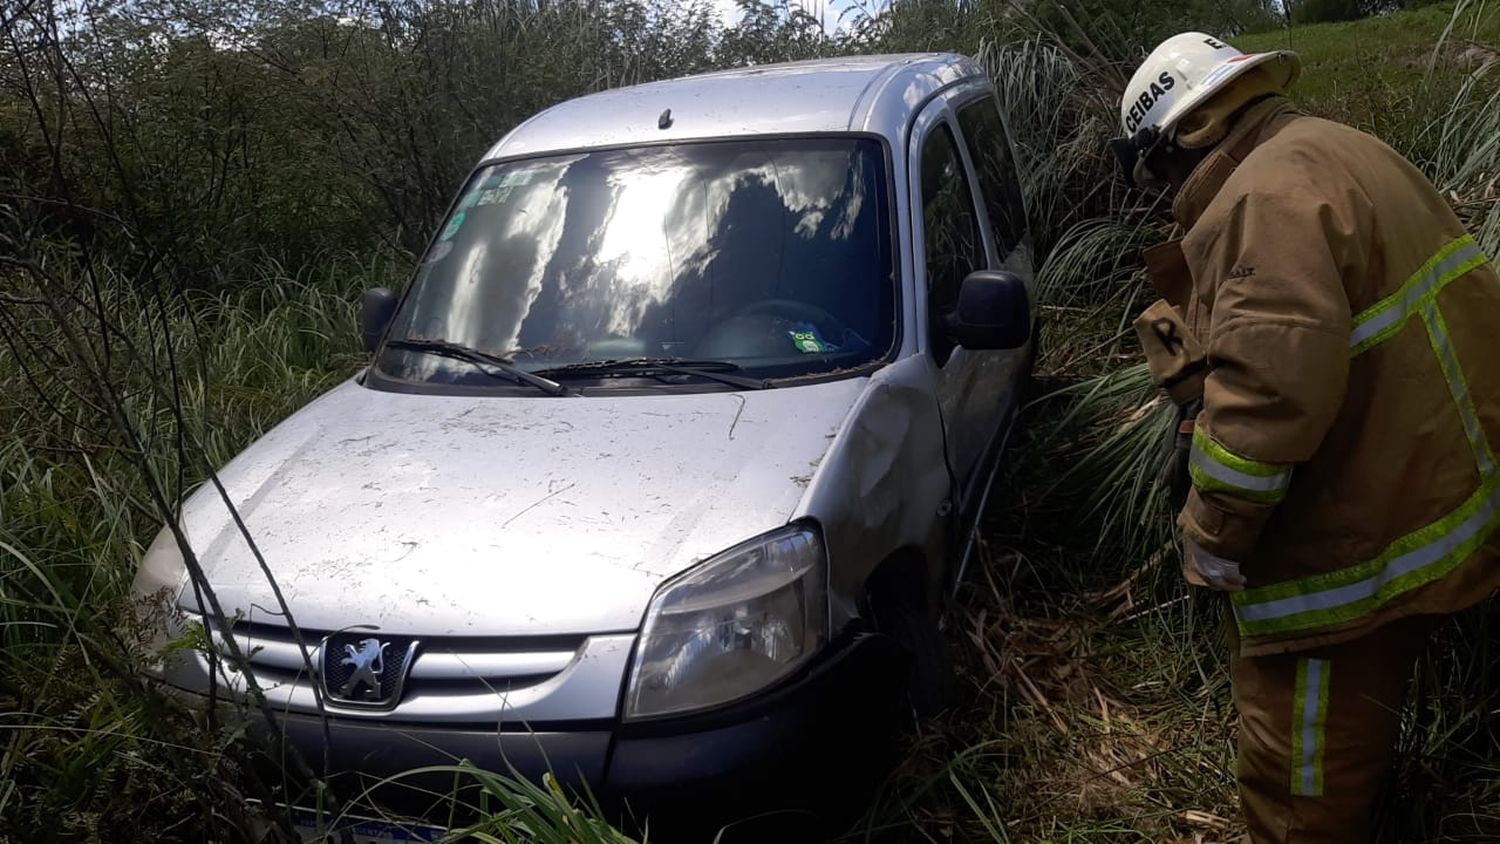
1185	70
1183	73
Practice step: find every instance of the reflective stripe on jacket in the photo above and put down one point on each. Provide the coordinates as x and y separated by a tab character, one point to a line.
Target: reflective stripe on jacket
1345	454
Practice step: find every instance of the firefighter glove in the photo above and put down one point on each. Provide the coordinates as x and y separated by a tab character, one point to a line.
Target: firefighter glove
1217	573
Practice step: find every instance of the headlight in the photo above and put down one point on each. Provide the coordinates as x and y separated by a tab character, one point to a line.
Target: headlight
731	625
157	620
161	567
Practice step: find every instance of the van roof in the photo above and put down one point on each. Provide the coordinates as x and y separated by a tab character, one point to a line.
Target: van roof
854	93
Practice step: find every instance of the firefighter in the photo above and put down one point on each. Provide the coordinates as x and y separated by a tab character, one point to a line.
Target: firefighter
1336	322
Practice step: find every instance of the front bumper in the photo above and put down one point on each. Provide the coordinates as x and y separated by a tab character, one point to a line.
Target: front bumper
387	760
804	747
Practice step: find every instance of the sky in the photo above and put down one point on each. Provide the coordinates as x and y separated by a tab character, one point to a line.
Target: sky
828	11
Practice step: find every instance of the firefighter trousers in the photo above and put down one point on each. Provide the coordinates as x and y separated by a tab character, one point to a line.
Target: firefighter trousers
1318	731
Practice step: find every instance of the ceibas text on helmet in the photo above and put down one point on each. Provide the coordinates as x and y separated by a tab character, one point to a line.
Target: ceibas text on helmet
1147	99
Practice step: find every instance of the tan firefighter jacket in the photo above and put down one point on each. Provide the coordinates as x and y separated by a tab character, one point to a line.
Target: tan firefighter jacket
1345	455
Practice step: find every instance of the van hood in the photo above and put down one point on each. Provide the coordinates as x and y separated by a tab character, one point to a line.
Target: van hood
503	516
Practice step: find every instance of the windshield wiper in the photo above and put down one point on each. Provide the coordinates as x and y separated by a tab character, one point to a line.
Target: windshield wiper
713	370
498	365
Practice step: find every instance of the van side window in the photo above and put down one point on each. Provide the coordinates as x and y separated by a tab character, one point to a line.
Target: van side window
984	133
950	230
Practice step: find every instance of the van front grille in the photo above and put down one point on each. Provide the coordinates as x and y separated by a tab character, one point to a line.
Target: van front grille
453	665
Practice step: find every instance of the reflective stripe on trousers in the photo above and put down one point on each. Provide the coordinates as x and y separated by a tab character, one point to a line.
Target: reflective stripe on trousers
1430	552
1309	727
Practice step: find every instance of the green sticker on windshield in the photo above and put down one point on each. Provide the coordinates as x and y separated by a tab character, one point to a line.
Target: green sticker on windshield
807	342
454	225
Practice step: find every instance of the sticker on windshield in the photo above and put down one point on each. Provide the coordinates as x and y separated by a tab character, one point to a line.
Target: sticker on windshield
469	200
514	178
439	251
807	340
454	225
493	196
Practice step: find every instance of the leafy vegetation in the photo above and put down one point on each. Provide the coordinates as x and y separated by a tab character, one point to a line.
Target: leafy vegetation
192	193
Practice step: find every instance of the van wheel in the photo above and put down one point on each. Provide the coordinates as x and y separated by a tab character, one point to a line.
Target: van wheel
900	614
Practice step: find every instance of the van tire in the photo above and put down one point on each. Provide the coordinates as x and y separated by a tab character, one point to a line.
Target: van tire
901	614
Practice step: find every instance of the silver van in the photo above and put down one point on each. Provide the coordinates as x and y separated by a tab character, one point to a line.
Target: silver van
666	459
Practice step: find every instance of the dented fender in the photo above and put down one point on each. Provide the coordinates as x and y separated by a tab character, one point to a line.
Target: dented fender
883	486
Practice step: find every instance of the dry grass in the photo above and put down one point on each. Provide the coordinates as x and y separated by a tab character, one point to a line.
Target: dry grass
1093	711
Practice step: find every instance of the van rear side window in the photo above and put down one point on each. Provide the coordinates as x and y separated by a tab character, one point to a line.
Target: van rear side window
989	149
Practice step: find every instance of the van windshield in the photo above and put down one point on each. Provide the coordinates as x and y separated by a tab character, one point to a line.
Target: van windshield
771	258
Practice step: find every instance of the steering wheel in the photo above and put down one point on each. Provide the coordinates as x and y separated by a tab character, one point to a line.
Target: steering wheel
744	334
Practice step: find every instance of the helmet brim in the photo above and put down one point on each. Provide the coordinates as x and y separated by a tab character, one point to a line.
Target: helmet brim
1226	72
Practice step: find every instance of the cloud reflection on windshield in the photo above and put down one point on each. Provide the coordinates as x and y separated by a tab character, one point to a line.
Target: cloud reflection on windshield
629	252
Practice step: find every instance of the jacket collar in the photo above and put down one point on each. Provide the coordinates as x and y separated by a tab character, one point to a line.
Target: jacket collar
1212	172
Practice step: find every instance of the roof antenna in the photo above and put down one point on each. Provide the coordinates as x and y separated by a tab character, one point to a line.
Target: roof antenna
665	121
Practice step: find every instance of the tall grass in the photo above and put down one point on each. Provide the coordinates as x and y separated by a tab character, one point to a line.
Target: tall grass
1059	117
91	748
1464	157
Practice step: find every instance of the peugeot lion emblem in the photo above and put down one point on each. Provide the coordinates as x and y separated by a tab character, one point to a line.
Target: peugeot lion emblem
367	664
365	671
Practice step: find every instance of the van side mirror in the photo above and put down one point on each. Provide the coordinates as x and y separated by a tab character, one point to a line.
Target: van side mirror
376	310
993	312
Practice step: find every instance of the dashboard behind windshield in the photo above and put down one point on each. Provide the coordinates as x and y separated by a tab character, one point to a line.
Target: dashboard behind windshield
774	255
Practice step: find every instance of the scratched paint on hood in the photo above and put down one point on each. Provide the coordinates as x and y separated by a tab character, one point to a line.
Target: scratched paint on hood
446	515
